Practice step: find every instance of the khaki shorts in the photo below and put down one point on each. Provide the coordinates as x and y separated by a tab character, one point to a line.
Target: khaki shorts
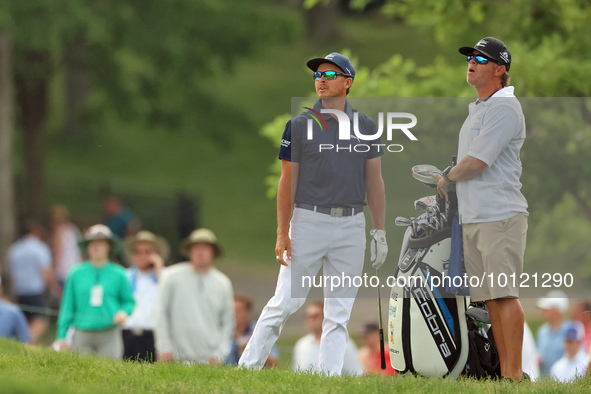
493	252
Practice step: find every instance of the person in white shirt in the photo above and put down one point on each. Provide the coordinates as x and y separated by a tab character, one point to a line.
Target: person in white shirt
307	349
530	358
147	253
574	363
491	207
195	309
64	243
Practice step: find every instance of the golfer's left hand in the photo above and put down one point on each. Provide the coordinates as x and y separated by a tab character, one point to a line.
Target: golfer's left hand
378	248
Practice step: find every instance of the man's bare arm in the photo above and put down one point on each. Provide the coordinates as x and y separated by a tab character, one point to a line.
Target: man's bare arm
466	169
376	192
285	195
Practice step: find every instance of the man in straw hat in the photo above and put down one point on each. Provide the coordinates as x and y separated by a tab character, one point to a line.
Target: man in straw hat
97	298
195	312
147	253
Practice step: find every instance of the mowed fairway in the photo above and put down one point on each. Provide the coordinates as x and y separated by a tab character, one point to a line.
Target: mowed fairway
34	370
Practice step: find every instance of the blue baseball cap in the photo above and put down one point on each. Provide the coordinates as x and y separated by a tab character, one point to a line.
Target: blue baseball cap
575	331
341	61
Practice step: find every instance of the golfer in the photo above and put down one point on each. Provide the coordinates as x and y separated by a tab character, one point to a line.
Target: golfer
492	210
323	193
97	298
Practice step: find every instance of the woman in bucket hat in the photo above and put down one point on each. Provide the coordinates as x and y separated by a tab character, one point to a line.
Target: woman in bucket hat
147	253
97	298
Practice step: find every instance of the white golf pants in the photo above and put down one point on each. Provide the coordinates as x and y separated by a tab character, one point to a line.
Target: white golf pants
318	240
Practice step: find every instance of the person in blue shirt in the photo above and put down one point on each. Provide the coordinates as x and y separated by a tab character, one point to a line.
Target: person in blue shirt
550	336
13	324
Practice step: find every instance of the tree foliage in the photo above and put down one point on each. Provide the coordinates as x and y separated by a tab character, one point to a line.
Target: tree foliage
551	57
135	62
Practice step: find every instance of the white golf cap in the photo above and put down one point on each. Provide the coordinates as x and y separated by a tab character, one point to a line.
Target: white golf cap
555	299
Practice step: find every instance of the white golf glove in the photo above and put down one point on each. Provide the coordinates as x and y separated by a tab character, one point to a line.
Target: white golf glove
378	248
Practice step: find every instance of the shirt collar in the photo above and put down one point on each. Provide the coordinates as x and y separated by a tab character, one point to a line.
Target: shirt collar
348	109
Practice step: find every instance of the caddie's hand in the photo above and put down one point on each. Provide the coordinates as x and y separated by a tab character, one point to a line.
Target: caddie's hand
378	248
441	184
283	249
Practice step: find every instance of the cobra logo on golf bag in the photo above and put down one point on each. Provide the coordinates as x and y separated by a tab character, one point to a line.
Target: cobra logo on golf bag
433	320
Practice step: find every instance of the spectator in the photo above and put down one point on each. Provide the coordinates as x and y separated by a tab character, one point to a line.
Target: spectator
550	337
13	324
243	331
195	315
147	253
97	298
574	362
64	242
582	313
370	352
119	218
307	349
29	261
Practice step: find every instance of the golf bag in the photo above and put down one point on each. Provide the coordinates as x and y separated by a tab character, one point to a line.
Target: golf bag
431	331
427	327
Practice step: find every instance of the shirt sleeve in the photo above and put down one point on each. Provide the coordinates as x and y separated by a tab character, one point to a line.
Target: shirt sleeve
163	340
226	324
21	328
66	315
500	125
285	148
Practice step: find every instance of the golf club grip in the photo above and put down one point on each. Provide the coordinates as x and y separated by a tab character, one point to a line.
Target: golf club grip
382	351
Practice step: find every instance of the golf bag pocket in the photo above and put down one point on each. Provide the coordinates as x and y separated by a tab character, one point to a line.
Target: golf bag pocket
427	326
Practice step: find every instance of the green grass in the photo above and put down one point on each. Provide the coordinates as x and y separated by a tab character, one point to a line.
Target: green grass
24	369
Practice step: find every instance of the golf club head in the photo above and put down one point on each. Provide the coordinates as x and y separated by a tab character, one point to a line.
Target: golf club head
421	206
423	173
403	222
478	314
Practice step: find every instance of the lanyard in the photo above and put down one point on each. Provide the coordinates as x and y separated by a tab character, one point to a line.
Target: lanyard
97	275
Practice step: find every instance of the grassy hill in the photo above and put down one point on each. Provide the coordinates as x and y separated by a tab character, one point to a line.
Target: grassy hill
25	369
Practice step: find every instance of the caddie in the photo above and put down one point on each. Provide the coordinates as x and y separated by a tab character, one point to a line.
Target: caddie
492	210
320	220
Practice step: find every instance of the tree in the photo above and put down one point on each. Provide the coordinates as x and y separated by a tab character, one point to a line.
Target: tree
7	218
132	60
551	58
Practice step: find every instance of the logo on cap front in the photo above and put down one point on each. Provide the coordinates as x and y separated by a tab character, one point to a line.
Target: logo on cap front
329	57
482	43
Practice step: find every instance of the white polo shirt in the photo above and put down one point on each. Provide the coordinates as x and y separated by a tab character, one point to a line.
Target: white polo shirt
566	370
493	132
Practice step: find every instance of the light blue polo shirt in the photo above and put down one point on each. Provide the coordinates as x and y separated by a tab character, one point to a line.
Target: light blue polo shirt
27	259
493	132
13	324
